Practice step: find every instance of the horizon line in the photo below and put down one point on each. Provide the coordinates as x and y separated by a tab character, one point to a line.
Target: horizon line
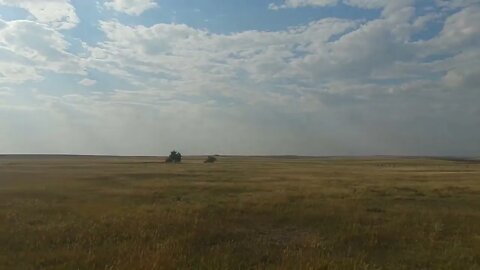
245	155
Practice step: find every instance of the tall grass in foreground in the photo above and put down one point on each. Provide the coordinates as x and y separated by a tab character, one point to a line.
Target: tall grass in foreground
241	213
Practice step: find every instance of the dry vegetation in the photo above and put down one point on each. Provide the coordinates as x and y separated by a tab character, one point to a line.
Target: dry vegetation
240	213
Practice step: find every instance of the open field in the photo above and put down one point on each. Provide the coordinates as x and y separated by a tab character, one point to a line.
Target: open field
240	213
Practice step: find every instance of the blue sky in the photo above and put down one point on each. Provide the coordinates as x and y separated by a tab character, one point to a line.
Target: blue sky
306	77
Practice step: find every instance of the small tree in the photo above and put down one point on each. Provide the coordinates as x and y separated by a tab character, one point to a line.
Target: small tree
210	159
175	157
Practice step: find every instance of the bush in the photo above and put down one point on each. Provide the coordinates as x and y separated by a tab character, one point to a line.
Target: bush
210	159
175	157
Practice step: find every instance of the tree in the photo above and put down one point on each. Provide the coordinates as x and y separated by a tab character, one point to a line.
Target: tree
210	159
175	157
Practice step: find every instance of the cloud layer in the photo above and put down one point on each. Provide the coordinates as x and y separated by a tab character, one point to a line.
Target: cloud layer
334	86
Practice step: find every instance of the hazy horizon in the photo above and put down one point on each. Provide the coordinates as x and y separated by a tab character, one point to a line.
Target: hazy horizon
452	157
253	77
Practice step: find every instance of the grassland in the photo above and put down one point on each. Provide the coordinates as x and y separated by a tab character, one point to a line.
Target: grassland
240	213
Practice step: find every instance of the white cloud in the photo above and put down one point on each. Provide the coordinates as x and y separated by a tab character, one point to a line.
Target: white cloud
369	3
87	82
28	49
461	31
453	4
56	13
389	5
192	60
14	73
184	53
131	7
302	3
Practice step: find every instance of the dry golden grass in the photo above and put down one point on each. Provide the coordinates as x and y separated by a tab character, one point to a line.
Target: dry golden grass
240	213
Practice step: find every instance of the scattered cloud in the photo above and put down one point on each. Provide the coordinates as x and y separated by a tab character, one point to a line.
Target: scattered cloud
453	4
87	82
58	14
302	3
28	49
370	4
188	55
131	7
461	31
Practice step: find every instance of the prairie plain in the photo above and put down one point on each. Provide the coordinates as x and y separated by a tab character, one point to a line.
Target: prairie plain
239	213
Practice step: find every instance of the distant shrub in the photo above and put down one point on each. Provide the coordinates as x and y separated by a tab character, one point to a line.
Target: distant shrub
175	157
210	159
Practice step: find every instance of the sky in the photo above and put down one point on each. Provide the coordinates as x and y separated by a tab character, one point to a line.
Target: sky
250	77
